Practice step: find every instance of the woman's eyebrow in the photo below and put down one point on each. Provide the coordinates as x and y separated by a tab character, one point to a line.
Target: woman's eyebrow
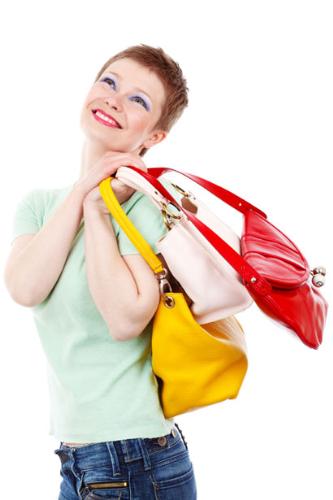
120	78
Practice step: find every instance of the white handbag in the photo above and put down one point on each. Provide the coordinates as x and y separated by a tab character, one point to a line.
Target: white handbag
213	285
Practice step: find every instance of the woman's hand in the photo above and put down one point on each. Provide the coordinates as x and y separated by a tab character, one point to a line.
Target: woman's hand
105	167
94	199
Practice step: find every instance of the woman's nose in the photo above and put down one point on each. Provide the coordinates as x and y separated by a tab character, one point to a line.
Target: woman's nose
114	101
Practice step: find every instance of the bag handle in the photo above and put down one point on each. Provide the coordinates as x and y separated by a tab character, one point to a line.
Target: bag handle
249	275
223	194
128	227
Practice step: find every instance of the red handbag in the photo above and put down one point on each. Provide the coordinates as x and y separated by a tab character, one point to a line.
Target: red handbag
271	267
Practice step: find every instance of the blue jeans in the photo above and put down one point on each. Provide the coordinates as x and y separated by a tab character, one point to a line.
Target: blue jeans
138	469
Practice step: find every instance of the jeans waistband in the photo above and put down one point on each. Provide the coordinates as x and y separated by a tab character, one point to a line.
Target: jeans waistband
125	442
122	451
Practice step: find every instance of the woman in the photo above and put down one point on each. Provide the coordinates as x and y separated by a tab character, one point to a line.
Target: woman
94	296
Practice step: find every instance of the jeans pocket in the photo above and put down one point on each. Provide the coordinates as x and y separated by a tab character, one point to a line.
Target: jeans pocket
100	483
175	479
107	494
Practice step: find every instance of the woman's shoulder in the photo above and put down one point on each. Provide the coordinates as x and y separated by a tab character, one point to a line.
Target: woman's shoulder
44	199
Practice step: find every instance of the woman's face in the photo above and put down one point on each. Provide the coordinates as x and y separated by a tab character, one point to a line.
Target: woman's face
133	96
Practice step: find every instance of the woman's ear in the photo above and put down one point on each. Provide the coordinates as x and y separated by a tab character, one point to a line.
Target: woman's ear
155	137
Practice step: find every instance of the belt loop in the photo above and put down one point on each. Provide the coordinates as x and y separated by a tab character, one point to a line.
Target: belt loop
181	434
145	454
113	457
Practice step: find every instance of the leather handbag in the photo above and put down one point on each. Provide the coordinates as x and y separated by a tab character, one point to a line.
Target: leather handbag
194	365
185	249
272	268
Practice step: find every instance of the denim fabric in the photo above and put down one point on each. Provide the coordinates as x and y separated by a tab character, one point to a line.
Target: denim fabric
135	469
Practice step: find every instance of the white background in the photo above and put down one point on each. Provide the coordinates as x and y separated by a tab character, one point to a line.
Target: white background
259	122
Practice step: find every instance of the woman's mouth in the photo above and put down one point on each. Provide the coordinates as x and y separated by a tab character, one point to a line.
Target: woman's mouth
108	122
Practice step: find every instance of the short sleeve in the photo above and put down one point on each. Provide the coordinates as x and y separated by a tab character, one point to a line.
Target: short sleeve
148	220
26	218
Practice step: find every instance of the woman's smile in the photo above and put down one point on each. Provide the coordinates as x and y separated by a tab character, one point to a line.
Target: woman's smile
104	120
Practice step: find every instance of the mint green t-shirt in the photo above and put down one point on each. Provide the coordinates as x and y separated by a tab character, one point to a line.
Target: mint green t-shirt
100	389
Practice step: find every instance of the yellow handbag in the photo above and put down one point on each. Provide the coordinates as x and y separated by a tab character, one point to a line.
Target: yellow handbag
195	365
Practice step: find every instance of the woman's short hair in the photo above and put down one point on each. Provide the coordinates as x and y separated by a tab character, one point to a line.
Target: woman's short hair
170	74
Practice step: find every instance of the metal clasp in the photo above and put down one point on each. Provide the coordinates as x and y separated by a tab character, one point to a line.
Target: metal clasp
318	274
181	190
167	215
168	300
163	282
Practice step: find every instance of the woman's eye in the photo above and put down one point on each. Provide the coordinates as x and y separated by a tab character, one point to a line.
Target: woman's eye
145	105
107	78
142	101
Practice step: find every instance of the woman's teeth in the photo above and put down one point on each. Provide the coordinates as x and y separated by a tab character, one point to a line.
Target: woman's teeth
100	117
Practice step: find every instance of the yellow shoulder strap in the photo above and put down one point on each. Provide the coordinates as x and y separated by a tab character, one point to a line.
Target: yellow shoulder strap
128	227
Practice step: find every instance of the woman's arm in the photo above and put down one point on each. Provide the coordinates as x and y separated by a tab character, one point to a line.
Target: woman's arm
124	289
32	273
